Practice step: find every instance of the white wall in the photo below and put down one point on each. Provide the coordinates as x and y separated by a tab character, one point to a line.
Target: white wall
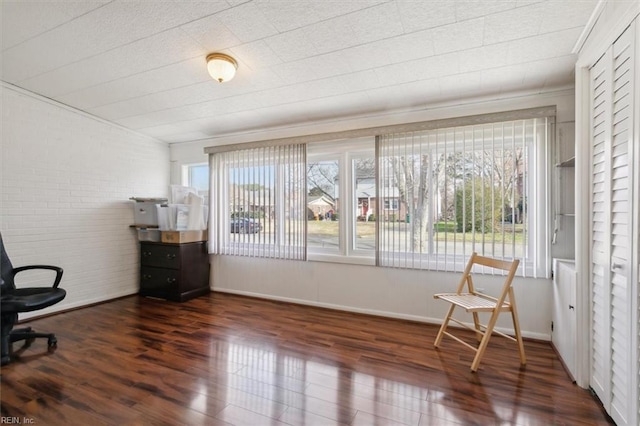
383	291
66	181
397	293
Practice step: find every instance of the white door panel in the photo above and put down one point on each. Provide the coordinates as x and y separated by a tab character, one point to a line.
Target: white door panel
611	236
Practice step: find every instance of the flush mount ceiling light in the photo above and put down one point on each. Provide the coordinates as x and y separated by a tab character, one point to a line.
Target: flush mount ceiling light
221	67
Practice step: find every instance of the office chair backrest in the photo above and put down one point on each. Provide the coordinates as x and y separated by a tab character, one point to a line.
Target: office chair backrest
6	271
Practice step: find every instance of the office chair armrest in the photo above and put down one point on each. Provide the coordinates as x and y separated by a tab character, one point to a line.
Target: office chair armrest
57	269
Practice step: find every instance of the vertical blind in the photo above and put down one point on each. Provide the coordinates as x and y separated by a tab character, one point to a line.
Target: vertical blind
446	193
258	202
444	189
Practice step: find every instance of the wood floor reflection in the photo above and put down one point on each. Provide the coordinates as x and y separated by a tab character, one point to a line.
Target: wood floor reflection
231	360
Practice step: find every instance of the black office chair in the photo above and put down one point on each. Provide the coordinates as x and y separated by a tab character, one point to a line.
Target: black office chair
15	300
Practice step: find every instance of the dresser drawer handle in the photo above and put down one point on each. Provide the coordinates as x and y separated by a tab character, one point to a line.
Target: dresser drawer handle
146	253
171	280
171	256
146	276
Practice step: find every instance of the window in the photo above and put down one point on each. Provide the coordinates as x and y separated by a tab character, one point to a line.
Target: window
425	197
323	233
364	190
341	197
197	176
391	204
450	192
258	202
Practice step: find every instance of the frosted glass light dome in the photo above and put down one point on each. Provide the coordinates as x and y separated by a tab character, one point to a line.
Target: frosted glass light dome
221	67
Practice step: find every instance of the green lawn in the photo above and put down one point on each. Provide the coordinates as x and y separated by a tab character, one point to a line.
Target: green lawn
368	229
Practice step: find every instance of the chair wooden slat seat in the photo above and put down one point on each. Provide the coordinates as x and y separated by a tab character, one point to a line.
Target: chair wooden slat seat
475	302
471	302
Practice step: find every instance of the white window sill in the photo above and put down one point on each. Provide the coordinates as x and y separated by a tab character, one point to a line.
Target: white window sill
337	258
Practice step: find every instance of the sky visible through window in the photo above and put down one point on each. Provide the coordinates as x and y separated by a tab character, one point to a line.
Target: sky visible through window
199	177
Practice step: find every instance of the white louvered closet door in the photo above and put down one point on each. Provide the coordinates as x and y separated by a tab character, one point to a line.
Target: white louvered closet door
612	332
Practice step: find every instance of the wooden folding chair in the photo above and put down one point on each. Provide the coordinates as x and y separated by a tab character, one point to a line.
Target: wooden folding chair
475	302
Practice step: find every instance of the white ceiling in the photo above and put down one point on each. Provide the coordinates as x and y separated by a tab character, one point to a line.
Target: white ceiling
141	64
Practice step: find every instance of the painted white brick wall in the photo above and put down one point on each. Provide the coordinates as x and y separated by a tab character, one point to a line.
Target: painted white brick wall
65	188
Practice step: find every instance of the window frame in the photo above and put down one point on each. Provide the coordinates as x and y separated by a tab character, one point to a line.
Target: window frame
391	204
345	152
540	180
186	177
316	156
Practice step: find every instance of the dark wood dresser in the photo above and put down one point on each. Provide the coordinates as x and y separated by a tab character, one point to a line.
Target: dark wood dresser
176	272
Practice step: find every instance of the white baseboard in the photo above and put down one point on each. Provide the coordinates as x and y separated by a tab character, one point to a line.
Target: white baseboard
387	314
77	305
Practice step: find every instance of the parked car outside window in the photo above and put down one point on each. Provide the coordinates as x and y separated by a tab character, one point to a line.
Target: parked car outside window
245	226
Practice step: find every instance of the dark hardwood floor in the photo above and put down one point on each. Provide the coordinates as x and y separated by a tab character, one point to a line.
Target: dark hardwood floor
231	360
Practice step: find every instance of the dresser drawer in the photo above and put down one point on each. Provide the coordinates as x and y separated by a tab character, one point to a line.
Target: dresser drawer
158	282
164	256
176	272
